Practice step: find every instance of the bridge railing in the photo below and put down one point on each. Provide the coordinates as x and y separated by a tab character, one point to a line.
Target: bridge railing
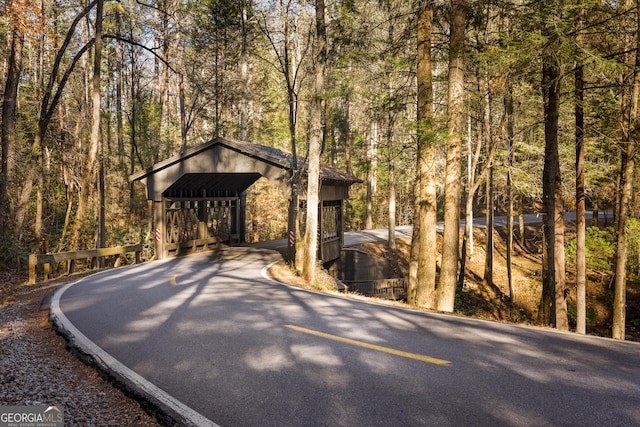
391	289
44	265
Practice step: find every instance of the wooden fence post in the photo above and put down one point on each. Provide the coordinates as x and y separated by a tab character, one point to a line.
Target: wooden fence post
33	273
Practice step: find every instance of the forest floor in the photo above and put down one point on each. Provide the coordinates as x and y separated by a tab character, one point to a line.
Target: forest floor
492	301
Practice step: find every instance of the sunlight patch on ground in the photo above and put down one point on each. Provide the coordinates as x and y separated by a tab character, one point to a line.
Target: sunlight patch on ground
316	354
270	358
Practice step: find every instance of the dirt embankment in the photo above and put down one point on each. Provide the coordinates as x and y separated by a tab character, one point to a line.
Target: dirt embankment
492	300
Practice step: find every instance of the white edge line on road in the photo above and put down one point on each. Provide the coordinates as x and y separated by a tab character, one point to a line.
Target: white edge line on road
140	384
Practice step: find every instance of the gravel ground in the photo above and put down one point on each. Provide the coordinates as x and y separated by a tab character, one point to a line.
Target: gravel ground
37	369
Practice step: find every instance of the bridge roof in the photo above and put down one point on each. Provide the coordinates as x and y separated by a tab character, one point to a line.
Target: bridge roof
225	167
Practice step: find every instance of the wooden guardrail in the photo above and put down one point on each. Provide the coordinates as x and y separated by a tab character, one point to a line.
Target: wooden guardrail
192	246
49	262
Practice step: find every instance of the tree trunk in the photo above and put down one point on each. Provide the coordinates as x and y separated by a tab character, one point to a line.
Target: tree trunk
182	108
391	235
553	305
347	134
510	116
468	245
490	204
488	264
217	87
292	98
619	184
521	226
281	48
620	280
581	265
244	74
164	80
8	129
629	109
472	162
389	136
372	163
476	176
38	221
315	143
467	238
94	143
547	305
422	267
391	238
119	96
102	204
447	284
561	314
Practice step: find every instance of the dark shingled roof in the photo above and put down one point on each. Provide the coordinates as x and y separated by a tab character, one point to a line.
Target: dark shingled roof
271	155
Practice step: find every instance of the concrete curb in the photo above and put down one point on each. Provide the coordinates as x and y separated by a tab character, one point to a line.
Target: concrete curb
165	407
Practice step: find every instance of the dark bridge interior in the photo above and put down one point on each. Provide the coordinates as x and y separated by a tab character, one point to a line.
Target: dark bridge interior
211	185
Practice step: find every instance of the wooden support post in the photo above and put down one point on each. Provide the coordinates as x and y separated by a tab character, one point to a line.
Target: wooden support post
160	228
203	232
242	217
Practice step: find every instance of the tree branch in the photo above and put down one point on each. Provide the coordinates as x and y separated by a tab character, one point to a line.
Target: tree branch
133	43
44	119
56	65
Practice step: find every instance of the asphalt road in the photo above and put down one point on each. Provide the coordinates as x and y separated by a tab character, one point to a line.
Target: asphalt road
239	349
353	238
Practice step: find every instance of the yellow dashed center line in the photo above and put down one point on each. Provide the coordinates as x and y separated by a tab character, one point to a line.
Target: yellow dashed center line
369	346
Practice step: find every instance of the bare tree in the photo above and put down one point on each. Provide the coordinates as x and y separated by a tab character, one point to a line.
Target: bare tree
553	308
244	70
50	98
372	177
630	120
315	143
446	290
581	264
94	144
510	119
422	266
9	102
281	40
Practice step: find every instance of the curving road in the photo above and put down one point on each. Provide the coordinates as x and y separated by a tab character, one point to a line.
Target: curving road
353	238
216	341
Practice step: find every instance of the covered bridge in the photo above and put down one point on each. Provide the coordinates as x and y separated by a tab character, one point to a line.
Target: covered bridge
198	196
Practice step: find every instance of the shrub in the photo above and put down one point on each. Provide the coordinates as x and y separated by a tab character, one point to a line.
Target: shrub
600	248
633	247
